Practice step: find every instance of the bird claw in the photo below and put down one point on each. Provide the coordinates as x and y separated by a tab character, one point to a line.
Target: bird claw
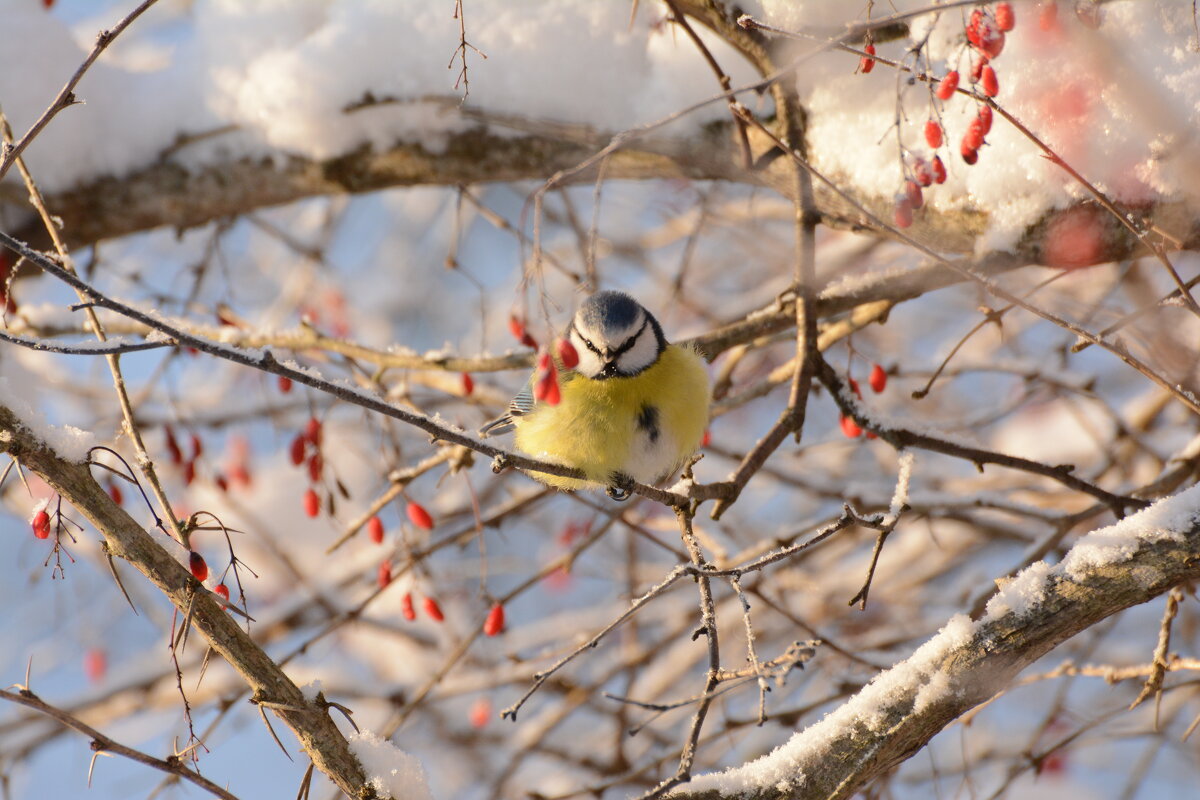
621	488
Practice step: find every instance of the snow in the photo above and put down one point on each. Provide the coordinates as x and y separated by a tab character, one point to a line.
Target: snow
68	441
277	70
390	771
274	73
921	677
903	476
311	689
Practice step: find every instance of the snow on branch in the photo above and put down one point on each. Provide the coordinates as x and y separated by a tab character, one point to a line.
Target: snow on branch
969	661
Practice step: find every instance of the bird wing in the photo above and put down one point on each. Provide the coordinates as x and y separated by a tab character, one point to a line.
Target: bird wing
519	406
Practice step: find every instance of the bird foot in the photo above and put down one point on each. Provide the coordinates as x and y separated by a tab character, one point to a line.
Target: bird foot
621	487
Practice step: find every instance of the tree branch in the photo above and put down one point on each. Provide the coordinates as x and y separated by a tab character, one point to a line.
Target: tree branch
970	661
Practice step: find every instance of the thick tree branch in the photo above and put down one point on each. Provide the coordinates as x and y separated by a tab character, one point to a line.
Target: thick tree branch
969	662
126	539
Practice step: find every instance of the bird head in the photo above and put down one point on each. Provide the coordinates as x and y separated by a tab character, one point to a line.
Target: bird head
614	336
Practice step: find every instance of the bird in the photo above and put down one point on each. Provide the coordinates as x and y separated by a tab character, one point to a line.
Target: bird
632	408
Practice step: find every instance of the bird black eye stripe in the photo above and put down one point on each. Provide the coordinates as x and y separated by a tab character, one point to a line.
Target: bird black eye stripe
627	345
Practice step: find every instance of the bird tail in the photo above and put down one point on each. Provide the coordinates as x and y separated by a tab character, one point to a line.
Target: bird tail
497	427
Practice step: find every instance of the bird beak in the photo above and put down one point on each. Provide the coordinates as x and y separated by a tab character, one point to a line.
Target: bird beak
610	369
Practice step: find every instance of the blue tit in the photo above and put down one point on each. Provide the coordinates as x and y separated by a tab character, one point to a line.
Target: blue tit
633	408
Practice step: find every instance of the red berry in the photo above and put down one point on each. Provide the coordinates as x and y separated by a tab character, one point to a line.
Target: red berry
197	565
432	609
973	138
902	212
567	353
285	384
939	170
977	67
878	379
315	464
481	713
991	86
95	664
985	118
853	384
172	445
1048	16
197	447
312	503
406	607
706	440
418	516
47	3
948	85
516	326
866	64
494	624
114	492
912	190
546	388
468	384
385	574
933	133
41	524
375	530
968	155
922	172
297	449
1006	18
189	473
850	428
222	590
312	432
985	34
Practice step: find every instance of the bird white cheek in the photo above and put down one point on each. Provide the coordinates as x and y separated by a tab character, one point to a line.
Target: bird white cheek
642	355
589	364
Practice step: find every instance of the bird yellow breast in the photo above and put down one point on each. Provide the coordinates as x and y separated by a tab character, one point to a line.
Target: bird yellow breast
594	428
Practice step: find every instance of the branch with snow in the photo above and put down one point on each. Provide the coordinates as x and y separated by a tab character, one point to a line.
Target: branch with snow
969	661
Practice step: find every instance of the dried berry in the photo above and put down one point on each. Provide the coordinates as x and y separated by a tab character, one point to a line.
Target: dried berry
948	85
866	63
912	190
985	118
312	503
853	384
922	172
468	384
988	81
850	428
494	624
384	576
1048	16
197	565
1006	18
312	432
933	133
189	472
878	379
939	170
41	524
516	326
296	452
375	530
406	607
114	492
172	445
902	211
418	516
973	138
432	609
566	353
315	465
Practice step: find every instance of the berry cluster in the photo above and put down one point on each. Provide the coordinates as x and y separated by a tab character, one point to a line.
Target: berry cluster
985	34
